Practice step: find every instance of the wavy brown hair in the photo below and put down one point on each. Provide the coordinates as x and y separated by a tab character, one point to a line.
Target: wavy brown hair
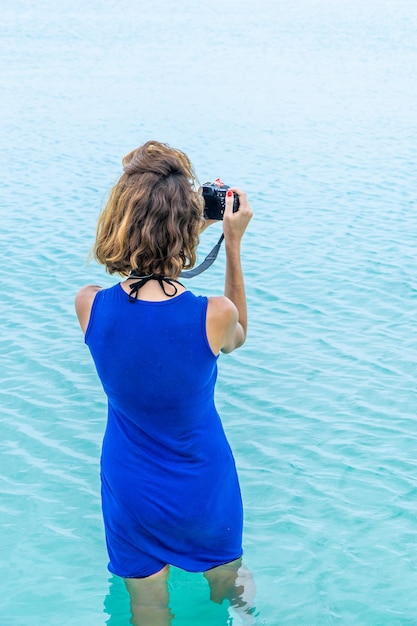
153	217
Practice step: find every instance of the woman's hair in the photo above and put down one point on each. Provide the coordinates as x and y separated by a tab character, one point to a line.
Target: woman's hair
152	219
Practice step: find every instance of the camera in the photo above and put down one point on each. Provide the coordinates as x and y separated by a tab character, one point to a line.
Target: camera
214	195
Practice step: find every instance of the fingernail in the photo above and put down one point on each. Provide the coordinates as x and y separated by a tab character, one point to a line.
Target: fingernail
230	193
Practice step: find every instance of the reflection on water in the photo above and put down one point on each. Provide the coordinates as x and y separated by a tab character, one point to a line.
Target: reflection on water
116	603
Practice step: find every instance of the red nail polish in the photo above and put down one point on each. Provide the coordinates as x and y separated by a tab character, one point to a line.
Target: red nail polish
230	193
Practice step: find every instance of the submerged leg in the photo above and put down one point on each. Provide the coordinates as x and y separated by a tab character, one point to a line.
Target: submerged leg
149	599
234	582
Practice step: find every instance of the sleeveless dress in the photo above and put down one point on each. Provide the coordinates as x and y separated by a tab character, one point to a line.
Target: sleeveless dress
170	491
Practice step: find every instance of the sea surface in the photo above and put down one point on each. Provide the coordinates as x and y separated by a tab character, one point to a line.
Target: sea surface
311	107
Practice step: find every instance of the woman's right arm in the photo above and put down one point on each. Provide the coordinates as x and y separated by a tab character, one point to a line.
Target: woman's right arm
83	303
227	316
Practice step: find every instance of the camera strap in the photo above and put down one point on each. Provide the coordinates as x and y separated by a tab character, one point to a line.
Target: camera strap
209	260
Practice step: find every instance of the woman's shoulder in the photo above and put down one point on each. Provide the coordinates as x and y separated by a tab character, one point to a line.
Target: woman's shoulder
222	318
222	307
86	295
224	330
83	303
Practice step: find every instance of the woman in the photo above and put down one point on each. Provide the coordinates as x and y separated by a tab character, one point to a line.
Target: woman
170	492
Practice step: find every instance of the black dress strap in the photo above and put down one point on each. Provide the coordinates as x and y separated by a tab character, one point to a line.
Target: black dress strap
134	287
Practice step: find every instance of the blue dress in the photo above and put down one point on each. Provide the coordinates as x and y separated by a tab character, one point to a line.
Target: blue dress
170	492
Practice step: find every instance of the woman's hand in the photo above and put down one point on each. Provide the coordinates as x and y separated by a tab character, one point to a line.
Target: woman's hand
235	224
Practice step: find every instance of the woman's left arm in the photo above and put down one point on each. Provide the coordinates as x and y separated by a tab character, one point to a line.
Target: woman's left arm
208	223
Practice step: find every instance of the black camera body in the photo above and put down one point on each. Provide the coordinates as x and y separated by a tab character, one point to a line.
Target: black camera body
214	195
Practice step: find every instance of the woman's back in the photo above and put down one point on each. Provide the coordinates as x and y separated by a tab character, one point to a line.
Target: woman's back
153	358
164	440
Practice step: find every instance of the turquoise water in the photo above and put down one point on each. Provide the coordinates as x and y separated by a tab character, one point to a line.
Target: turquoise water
311	107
